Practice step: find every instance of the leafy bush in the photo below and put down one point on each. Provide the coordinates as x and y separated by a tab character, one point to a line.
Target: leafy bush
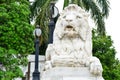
16	40
103	48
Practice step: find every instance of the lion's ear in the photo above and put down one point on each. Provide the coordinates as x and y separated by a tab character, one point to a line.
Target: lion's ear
61	14
58	29
82	34
86	15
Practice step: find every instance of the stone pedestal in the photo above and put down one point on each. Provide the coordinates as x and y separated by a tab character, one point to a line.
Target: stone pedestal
69	73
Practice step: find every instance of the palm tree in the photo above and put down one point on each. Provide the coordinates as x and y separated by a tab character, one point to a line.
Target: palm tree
99	10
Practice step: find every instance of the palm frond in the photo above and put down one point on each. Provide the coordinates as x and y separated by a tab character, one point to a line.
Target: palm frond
75	1
42	20
36	7
66	2
40	10
91	6
104	4
80	3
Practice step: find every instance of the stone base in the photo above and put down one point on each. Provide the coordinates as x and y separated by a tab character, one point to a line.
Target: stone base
69	73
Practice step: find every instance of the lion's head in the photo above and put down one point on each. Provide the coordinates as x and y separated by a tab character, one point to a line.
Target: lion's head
72	22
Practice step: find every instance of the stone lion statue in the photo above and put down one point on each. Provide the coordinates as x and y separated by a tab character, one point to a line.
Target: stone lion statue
72	44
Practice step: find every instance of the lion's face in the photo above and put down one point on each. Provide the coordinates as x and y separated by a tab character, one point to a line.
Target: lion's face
72	21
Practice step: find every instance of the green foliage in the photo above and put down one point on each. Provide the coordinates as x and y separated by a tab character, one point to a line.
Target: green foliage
16	40
103	48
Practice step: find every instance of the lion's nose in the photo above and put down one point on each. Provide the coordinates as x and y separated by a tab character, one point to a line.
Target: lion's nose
69	18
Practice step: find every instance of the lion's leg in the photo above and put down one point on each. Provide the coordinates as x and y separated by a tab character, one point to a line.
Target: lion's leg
49	53
95	66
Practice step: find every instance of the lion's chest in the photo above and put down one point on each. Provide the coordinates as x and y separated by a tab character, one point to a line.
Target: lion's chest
72	45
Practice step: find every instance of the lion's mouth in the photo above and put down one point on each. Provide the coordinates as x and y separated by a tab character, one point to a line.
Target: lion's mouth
69	28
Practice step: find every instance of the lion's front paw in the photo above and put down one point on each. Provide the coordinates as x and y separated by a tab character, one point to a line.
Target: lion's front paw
47	65
96	68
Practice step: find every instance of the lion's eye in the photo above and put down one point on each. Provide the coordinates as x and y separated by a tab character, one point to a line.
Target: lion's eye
64	17
78	17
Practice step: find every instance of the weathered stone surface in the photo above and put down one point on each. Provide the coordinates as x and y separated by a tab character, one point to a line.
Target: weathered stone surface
69	73
72	46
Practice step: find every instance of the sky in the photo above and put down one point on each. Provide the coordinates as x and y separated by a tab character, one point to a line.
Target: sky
112	23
